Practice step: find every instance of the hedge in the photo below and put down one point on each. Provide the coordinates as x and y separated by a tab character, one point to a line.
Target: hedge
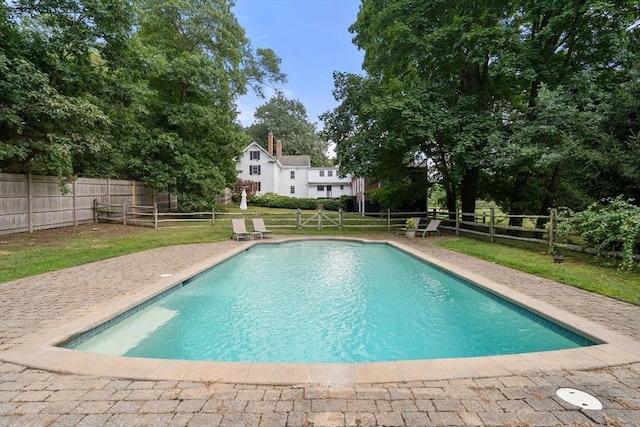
272	200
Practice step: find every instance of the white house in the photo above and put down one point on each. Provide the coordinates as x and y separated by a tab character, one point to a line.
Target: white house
290	176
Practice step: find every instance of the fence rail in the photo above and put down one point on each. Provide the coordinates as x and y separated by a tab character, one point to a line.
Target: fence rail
149	216
490	225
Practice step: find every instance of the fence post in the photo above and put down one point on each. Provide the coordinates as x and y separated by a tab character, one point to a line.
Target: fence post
388	219
319	219
552	228
124	213
75	203
434	213
457	222
29	203
155	216
299	219
134	201
95	211
340	221
213	216
492	223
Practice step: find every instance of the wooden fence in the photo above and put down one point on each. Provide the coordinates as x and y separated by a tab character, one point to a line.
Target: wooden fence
30	202
149	216
80	207
489	225
496	226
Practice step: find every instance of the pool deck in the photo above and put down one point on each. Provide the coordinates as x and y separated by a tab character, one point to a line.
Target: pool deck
45	385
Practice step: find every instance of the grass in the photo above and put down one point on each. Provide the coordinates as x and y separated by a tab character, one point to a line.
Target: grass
24	254
575	271
29	254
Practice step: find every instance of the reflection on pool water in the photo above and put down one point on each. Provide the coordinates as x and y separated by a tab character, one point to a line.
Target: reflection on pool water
322	301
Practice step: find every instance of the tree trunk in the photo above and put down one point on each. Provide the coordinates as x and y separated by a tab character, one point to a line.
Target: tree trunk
469	192
451	201
515	204
550	197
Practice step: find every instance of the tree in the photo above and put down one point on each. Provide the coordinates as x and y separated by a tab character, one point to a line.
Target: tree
287	120
90	87
508	100
53	56
572	55
367	131
201	62
434	97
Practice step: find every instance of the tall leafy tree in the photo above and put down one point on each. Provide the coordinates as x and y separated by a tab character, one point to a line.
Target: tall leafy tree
53	56
287	120
90	87
201	61
507	100
571	57
435	97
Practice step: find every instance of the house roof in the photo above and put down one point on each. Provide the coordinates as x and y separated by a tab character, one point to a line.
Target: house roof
254	145
303	160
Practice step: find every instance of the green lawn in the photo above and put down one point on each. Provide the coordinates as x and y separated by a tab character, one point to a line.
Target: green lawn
25	254
575	271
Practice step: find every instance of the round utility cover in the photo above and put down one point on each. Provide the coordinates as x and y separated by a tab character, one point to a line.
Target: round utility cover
579	398
166	275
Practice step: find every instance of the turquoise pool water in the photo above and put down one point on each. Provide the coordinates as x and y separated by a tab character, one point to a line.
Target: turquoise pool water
326	301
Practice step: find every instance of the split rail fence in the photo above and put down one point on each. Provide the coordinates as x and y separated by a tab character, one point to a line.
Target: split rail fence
29	203
149	216
489	224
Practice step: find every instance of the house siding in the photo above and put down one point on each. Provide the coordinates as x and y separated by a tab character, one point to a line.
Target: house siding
276	178
268	177
299	181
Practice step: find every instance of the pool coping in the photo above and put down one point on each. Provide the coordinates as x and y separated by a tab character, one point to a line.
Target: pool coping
41	351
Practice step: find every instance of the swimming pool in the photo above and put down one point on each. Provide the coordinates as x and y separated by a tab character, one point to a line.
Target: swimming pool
351	302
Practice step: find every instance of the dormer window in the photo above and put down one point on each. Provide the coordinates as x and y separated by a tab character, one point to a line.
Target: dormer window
321	173
254	155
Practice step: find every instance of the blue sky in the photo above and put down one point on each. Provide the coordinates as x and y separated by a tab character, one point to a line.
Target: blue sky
312	39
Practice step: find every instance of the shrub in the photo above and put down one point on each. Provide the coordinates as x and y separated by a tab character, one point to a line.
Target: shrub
247	185
608	225
272	200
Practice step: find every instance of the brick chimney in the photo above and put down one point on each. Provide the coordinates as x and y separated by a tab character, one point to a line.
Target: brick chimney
270	143
278	148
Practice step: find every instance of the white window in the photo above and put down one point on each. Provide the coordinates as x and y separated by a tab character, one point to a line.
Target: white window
293	174
254	170
320	187
257	186
329	173
292	189
254	155
321	173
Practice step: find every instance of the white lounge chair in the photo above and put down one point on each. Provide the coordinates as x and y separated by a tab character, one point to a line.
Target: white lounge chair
240	230
432	227
258	226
